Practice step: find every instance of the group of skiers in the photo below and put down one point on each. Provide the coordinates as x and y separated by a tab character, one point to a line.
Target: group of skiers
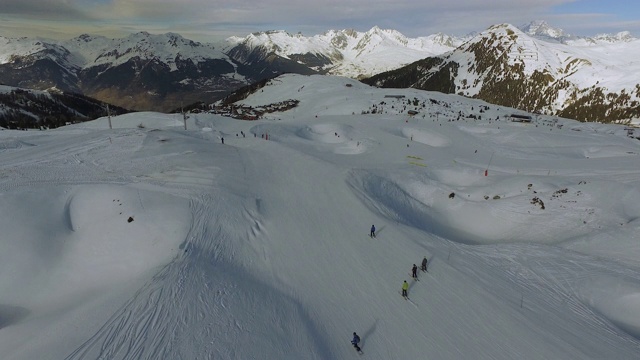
414	269
405	287
414	275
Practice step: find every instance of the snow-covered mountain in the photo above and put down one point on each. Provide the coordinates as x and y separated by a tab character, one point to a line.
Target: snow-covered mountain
152	241
538	69
603	39
141	71
540	29
162	72
503	65
348	52
27	108
169	48
37	64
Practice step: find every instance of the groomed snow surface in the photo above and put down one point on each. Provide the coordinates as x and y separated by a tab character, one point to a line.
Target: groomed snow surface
149	241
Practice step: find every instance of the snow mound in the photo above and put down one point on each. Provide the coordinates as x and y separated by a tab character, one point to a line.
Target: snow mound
10	315
326	133
502	211
428	138
608	151
113	222
88	238
478	130
333	134
143	119
425	204
458	176
351	148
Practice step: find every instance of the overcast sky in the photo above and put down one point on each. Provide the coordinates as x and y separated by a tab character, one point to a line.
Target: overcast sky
211	20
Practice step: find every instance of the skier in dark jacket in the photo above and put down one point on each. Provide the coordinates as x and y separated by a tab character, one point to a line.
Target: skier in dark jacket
424	264
356	341
414	272
373	231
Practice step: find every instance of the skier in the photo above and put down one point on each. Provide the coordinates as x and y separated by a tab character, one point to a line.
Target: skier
414	271
405	287
373	231
356	341
424	264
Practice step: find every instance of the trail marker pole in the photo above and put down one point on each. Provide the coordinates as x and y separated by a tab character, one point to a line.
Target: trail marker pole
184	116
486	171
109	116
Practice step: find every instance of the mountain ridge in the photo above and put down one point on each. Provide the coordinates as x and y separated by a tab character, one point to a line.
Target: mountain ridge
164	72
505	66
348	52
48	109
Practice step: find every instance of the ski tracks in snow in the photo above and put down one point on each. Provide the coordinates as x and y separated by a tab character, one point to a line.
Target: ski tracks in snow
554	277
204	304
191	292
147	325
81	162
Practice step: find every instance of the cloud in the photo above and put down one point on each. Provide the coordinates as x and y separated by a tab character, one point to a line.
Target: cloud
318	16
42	9
203	19
288	11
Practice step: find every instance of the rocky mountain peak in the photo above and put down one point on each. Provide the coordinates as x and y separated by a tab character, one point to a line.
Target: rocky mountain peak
542	28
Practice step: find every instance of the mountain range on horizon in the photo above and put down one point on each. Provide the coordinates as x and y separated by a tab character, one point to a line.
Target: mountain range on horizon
163	72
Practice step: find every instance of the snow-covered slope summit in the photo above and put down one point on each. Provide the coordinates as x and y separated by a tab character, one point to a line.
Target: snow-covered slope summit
152	241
